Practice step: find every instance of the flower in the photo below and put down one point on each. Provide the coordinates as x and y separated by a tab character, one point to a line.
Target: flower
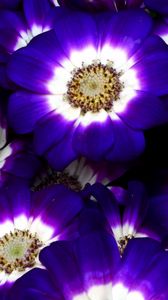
31	221
131	213
18	28
92	269
100	5
61	96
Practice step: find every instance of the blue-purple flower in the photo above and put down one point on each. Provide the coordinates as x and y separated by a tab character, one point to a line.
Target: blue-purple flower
131	213
17	28
29	221
90	87
91	269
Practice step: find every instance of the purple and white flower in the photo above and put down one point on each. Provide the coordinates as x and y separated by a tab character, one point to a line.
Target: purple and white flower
17	28
31	221
131	213
92	269
90	86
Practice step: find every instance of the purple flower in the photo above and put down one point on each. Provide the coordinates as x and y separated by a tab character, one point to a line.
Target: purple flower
31	221
132	213
18	28
90	87
92	269
99	5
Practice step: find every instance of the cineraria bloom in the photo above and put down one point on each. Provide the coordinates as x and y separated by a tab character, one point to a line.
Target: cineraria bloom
31	221
129	213
90	86
160	6
77	174
91	269
99	5
17	28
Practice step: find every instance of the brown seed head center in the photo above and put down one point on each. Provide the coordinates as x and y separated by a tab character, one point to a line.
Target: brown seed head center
18	251
94	87
52	177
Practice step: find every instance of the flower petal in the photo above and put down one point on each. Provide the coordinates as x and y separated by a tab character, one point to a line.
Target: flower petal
109	206
34	285
51	206
80	37
98	258
151	72
128	143
35	12
144	111
25	109
53	127
132	267
28	69
119	31
94	138
59	260
63	151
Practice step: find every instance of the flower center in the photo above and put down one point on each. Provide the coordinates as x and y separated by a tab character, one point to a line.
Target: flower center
18	251
94	87
52	177
122	243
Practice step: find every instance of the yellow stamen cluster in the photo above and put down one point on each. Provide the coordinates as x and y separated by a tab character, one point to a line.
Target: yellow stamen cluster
18	251
94	87
122	243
